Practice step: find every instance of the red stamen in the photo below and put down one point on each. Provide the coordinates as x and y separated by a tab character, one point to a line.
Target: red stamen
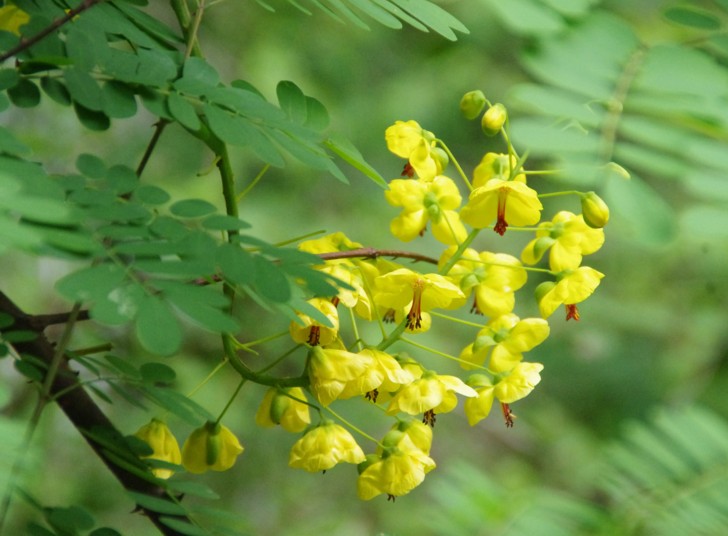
572	312
408	170
429	418
501	224
372	395
335	300
475	309
414	317
507	414
313	335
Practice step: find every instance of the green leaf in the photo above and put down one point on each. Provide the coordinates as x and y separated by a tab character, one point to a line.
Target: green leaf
122	366
178	404
223	222
8	78
433	16
24	94
237	265
104	531
91	119
157	328
56	90
692	17
317	117
183	111
83	88
91	165
351	155
183	527
236	130
92	283
527	17
70	519
118	100
203	305
191	487
270	281
151	195
197	77
292	101
157	373
192	208
156	504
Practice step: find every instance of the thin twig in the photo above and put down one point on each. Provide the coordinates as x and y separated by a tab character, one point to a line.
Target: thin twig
52	27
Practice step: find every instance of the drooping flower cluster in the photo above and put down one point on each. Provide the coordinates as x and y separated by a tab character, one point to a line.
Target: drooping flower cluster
404	299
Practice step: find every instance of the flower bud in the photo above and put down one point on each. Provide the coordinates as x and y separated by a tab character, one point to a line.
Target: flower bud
164	446
594	210
494	119
472	104
212	446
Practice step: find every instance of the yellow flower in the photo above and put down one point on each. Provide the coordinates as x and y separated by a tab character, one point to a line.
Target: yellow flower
417	432
518	383
407	139
492	277
324	446
496	165
210	447
313	332
503	340
430	394
334	373
568	237
506	202
478	407
571	287
284	407
328	244
164	446
403	287
12	18
383	373
399	468
423	201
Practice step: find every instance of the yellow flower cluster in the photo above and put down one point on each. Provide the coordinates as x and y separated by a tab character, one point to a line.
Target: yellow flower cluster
209	447
374	289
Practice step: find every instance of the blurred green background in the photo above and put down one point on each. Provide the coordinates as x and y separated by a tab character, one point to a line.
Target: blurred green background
648	359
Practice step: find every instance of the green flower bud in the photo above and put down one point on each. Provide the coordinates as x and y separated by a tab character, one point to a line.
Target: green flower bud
213	443
278	407
543	289
472	104
370	459
494	119
211	446
441	159
594	210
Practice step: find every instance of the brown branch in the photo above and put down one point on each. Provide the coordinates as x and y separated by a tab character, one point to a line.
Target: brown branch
52	27
40	322
373	253
86	416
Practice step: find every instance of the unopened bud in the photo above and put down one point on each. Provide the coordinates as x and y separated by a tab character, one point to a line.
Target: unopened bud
472	104
594	210
493	119
278	407
441	159
212	442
